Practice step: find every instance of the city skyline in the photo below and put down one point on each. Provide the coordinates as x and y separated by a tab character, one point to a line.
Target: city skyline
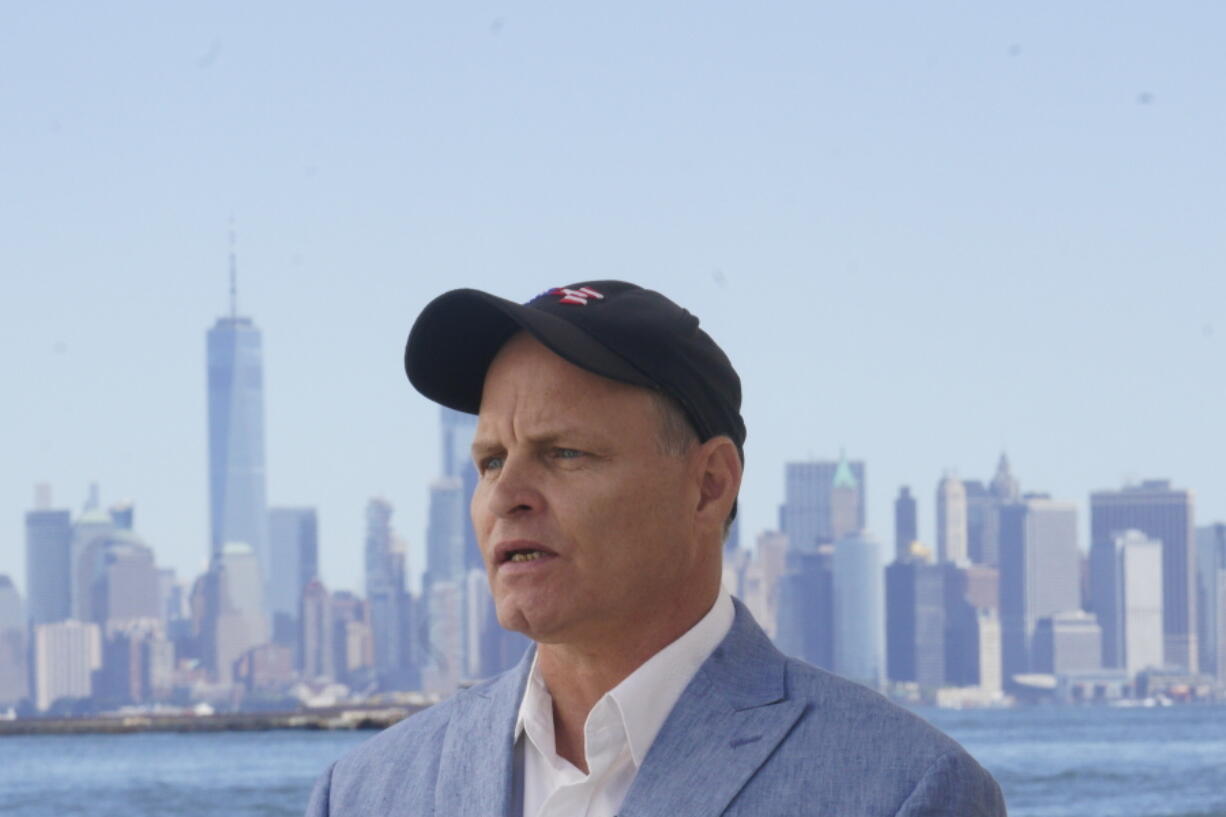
937	624
923	237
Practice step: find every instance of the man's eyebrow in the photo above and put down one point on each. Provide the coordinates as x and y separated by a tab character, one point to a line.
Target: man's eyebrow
483	446
540	439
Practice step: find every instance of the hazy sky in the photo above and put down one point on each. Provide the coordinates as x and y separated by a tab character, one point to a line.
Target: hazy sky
922	232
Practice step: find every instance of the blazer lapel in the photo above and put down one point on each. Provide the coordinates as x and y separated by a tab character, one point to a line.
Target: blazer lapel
476	764
726	724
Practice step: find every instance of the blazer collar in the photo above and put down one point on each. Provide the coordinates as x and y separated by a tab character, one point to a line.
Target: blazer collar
476	765
726	724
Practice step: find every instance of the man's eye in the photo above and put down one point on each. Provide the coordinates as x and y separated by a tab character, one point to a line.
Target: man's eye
567	453
490	464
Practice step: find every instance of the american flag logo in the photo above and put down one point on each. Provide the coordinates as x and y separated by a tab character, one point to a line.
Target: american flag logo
576	297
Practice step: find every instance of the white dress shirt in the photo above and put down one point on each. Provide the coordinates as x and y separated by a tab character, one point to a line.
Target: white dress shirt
619	730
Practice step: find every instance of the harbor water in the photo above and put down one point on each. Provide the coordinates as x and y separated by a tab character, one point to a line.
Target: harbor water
1058	762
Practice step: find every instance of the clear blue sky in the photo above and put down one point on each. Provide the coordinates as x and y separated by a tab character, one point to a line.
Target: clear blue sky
923	232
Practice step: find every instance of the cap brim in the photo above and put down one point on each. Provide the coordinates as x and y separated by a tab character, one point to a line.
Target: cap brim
455	338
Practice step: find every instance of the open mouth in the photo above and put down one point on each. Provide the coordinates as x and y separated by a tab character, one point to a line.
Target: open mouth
522	552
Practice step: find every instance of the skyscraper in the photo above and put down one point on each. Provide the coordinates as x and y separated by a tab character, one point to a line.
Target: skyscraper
1066	642
66	654
1211	569
915	622
1039	563
234	618
445	560
237	504
983	513
805	613
1125	583
951	520
1166	514
293	542
457	439
980	504
12	644
387	596
49	565
316	656
127	589
846	518
91	535
906	528
807	513
857	582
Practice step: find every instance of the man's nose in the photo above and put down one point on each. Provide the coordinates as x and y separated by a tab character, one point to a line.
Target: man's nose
516	491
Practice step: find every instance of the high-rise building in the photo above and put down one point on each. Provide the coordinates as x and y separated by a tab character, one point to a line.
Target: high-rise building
805	615
807	513
989	650
448	514
293	543
137	662
237	502
1211	570
13	687
1125	583
387	597
49	565
353	654
1166	514
316	656
458	429
443	667
127	589
906	525
1066	642
122	515
66	654
759	579
964	590
846	518
857	582
983	513
1140	601
1004	485
234	618
915	622
92	533
980	504
1038	572
951	520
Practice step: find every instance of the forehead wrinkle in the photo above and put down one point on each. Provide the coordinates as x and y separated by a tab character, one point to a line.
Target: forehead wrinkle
530	393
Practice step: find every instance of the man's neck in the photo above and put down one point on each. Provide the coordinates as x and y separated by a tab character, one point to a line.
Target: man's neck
579	675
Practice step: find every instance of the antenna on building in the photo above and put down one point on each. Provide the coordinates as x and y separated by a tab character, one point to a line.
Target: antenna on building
233	273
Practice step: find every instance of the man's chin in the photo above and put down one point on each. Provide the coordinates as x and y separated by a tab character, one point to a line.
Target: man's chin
541	626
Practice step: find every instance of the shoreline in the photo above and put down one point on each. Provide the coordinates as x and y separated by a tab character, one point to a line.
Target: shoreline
330	719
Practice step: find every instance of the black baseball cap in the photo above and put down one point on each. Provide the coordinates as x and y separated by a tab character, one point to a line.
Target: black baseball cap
610	328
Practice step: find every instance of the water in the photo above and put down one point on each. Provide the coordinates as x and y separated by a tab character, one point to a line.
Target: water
1090	762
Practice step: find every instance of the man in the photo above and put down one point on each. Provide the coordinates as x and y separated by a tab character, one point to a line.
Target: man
609	453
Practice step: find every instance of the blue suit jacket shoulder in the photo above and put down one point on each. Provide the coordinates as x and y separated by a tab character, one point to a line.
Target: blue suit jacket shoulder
755	733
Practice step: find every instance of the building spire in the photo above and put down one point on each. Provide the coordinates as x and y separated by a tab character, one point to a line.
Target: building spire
233	273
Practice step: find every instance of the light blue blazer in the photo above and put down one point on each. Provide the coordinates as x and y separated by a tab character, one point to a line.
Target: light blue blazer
755	734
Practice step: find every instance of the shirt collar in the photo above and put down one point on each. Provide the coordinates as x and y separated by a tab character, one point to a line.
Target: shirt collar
645	697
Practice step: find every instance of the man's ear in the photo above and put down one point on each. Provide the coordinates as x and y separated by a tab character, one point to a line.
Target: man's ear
719	481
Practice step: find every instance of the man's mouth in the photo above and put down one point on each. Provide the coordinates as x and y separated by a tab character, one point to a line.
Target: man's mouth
521	551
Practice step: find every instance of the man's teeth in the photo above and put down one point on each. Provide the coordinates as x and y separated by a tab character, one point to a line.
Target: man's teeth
526	557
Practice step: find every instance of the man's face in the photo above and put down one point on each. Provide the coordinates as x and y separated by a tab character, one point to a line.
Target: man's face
581	518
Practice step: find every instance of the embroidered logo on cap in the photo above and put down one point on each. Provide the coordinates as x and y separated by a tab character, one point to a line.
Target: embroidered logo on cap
576	297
